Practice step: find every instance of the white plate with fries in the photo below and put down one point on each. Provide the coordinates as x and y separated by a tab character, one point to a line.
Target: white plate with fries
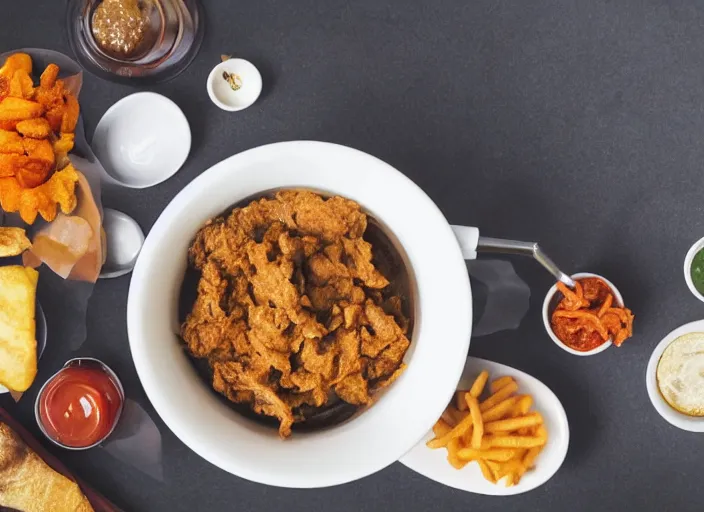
521	442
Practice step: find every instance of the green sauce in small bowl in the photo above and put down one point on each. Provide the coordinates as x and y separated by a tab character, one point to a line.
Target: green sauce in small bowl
697	271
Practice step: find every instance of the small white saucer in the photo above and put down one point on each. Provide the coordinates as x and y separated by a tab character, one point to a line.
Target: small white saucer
550	303
124	240
222	94
142	140
676	418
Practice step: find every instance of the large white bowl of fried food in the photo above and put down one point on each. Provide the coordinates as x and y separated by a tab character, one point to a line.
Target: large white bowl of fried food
300	314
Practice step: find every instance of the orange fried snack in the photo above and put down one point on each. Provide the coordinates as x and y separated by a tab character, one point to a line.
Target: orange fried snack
36	135
586	317
43	199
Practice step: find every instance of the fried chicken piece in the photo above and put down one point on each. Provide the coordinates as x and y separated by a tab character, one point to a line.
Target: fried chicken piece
37	128
353	389
231	377
328	219
359	252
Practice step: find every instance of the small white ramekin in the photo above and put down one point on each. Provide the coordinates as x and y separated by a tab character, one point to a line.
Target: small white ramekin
550	303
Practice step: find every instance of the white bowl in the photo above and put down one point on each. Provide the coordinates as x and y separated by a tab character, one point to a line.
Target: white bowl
433	463
407	410
698	246
142	140
222	94
674	417
548	307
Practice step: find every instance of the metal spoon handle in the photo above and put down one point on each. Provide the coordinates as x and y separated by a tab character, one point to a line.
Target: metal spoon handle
531	249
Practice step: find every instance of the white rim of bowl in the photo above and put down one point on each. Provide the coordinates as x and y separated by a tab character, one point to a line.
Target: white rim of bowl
669	414
216	100
157	97
546	317
696	247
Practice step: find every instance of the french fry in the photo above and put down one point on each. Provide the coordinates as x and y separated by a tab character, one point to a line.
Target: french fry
516	442
542	433
467	436
498	397
456	431
459	401
486	471
488	439
522	405
495	468
452	416
511	424
441	428
498	455
499	410
501	433
497	384
453	448
477	423
479	384
530	456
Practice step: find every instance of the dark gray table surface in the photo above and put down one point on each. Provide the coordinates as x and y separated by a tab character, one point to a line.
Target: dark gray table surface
579	125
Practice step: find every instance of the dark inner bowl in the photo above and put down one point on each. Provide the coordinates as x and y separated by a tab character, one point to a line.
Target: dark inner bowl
387	258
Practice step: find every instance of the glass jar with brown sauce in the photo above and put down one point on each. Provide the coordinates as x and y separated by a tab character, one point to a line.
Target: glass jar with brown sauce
135	40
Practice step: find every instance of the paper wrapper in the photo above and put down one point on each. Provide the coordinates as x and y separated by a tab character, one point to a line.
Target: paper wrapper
72	246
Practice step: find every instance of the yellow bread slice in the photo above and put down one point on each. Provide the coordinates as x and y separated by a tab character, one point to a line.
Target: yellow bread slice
27	483
18	345
680	374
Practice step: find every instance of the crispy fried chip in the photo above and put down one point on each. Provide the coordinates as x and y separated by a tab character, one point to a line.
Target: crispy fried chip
16	62
13	110
42	199
13	241
37	128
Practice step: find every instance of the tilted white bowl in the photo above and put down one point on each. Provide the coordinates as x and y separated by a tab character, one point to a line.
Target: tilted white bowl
407	410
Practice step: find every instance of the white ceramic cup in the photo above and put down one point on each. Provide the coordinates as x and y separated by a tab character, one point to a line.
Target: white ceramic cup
549	306
434	253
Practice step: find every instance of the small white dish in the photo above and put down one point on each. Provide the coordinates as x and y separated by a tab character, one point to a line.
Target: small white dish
124	240
142	140
247	76
672	416
698	246
433	463
551	301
